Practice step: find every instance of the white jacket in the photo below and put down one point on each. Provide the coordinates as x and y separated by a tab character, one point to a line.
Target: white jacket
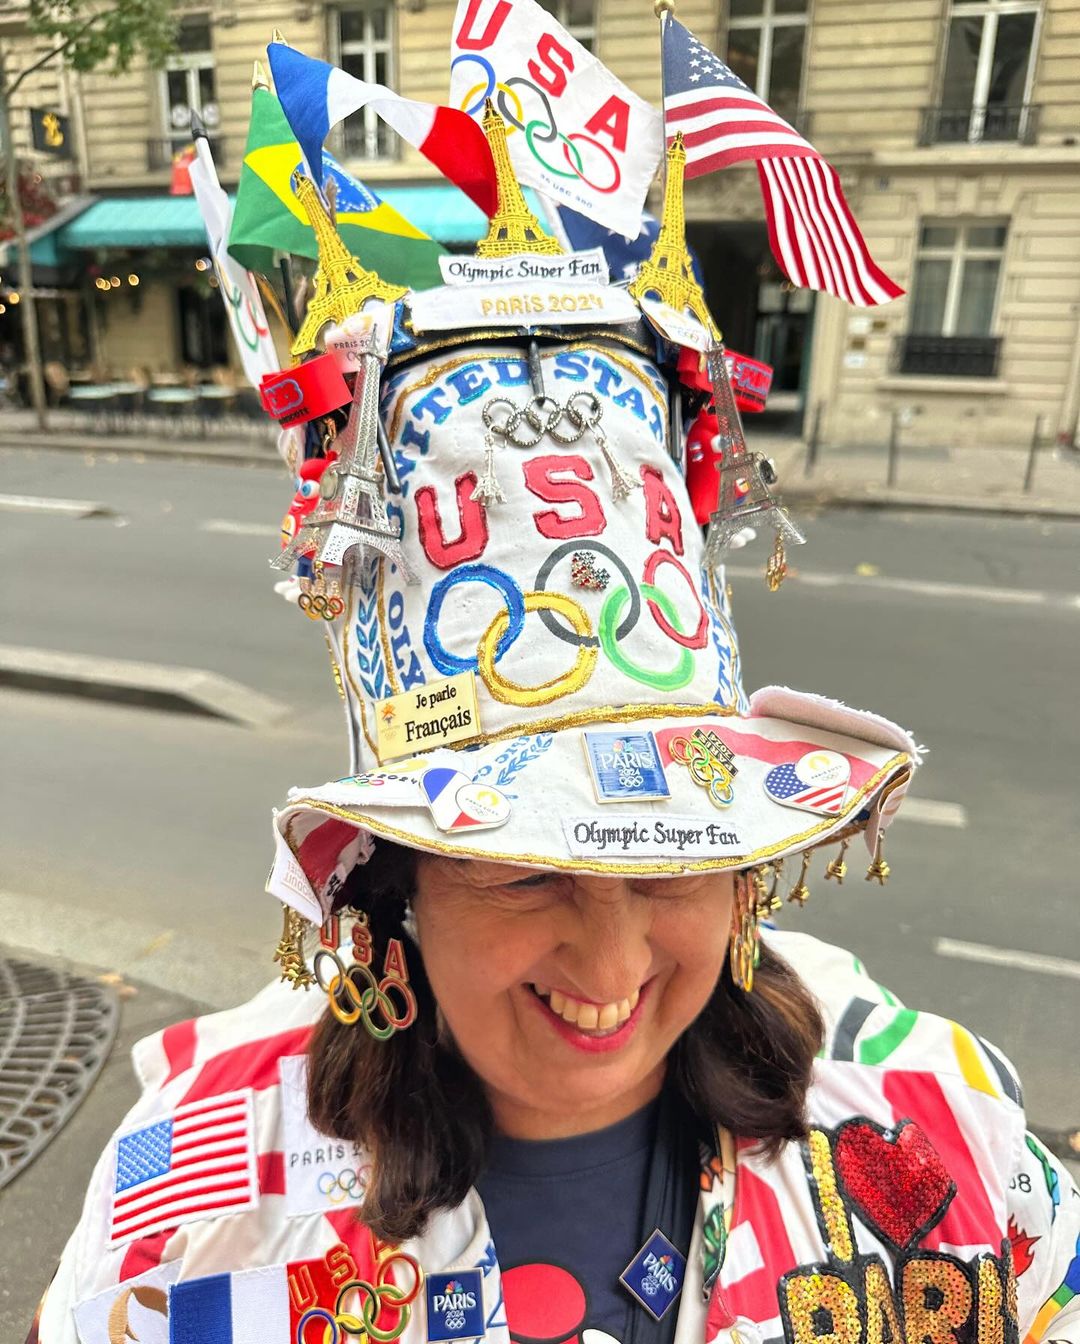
875	1226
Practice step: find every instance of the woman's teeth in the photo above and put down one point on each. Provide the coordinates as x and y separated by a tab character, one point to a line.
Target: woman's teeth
589	1016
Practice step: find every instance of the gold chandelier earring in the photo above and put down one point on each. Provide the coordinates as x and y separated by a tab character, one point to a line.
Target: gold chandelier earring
744	948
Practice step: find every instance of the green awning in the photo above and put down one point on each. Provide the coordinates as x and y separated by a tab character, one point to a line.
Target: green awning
136	221
174	221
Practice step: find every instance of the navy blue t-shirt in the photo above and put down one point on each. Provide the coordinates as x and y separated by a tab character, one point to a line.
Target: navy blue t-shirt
566	1218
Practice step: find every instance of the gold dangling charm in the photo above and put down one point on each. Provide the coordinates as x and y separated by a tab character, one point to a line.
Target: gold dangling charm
836	869
776	567
879	870
800	892
289	952
773	901
744	948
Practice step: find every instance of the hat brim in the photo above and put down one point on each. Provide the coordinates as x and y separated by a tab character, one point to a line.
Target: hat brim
556	820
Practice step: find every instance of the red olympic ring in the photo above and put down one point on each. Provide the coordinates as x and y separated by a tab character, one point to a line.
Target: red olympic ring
580	135
700	637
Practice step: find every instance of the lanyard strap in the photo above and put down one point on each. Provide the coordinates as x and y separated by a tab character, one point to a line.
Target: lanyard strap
671	1202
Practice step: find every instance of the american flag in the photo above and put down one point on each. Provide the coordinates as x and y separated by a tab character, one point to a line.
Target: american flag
812	232
197	1162
784	784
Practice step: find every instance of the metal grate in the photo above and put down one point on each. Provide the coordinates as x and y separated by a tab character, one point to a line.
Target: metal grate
56	1031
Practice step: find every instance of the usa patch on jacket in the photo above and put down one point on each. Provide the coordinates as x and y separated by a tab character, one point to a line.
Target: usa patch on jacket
197	1162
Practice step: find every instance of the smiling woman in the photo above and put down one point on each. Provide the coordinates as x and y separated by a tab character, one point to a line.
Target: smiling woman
565	1082
552	1005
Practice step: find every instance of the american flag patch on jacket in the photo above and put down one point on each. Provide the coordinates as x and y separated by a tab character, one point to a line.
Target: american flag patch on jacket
198	1162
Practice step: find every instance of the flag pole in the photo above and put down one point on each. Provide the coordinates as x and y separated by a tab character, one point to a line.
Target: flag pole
663	9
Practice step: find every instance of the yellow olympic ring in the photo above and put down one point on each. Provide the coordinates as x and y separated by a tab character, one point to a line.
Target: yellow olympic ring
499	88
511	692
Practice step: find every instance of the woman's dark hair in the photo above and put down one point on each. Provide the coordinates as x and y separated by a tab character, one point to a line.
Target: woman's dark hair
423	1115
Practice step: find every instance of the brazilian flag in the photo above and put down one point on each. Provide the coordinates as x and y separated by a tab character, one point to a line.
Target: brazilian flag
267	217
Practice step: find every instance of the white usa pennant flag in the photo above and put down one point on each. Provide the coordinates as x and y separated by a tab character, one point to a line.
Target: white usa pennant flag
197	1162
576	133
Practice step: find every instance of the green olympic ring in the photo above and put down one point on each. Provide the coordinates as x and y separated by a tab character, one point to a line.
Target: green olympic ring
569	146
610	613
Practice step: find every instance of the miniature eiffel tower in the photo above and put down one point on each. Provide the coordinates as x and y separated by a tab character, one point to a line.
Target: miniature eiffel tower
351	511
514	228
744	496
341	286
668	271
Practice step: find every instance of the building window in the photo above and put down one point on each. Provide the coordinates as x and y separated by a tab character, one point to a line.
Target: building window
766	47
188	83
954	298
362	43
578	17
986	84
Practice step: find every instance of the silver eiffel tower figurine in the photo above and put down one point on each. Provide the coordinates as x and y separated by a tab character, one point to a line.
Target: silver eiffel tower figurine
745	477
351	511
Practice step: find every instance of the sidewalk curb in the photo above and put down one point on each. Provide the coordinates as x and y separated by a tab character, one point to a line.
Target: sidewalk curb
193	451
838	498
178	690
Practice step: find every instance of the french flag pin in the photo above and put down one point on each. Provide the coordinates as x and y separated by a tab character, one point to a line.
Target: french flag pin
457	804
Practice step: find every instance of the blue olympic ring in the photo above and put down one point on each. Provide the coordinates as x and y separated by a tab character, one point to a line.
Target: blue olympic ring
318	1313
488	71
449	664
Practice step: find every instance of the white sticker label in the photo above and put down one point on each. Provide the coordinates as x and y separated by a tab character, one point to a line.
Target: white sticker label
575	268
288	882
138	1309
680	328
321	1173
665	837
520	305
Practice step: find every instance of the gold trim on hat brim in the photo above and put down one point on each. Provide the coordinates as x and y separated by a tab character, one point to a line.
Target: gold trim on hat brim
646	867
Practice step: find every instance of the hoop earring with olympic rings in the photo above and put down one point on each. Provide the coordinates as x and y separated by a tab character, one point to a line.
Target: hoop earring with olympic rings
355	995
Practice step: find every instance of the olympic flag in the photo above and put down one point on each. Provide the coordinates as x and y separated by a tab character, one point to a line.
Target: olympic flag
242	302
577	133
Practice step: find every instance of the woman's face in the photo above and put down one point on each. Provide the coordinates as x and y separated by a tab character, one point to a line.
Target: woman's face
565	992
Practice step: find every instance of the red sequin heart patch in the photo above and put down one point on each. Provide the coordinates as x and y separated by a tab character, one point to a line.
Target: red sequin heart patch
895	1178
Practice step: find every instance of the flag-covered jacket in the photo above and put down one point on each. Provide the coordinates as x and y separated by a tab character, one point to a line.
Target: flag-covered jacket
918	1211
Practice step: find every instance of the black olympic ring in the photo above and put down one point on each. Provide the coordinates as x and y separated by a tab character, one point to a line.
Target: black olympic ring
552	133
570	636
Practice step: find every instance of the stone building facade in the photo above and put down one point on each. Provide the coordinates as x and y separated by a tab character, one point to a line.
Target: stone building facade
954	124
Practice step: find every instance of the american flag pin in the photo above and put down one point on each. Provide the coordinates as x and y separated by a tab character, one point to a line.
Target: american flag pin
816	782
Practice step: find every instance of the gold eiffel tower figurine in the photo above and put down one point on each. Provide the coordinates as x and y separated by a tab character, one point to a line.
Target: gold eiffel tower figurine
514	228
667	272
341	286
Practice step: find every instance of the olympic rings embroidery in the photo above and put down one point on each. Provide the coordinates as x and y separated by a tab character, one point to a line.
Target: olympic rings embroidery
619	615
349	1183
543	415
710	762
537	129
374	1298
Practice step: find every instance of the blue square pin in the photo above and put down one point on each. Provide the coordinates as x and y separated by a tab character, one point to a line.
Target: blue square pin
625	767
655	1275
455	1305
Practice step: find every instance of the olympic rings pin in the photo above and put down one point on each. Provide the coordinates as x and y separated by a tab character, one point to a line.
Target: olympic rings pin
361	1305
318	602
355	995
711	763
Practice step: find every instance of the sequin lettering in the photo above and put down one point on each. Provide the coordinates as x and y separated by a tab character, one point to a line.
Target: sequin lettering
472	535
540	477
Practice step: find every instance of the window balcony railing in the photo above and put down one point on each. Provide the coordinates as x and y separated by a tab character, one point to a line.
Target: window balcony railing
948	356
160	153
997	124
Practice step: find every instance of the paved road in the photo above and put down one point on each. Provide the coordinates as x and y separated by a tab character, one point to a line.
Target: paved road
140	840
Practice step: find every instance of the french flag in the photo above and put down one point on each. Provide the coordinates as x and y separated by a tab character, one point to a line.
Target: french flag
316	96
254	1305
